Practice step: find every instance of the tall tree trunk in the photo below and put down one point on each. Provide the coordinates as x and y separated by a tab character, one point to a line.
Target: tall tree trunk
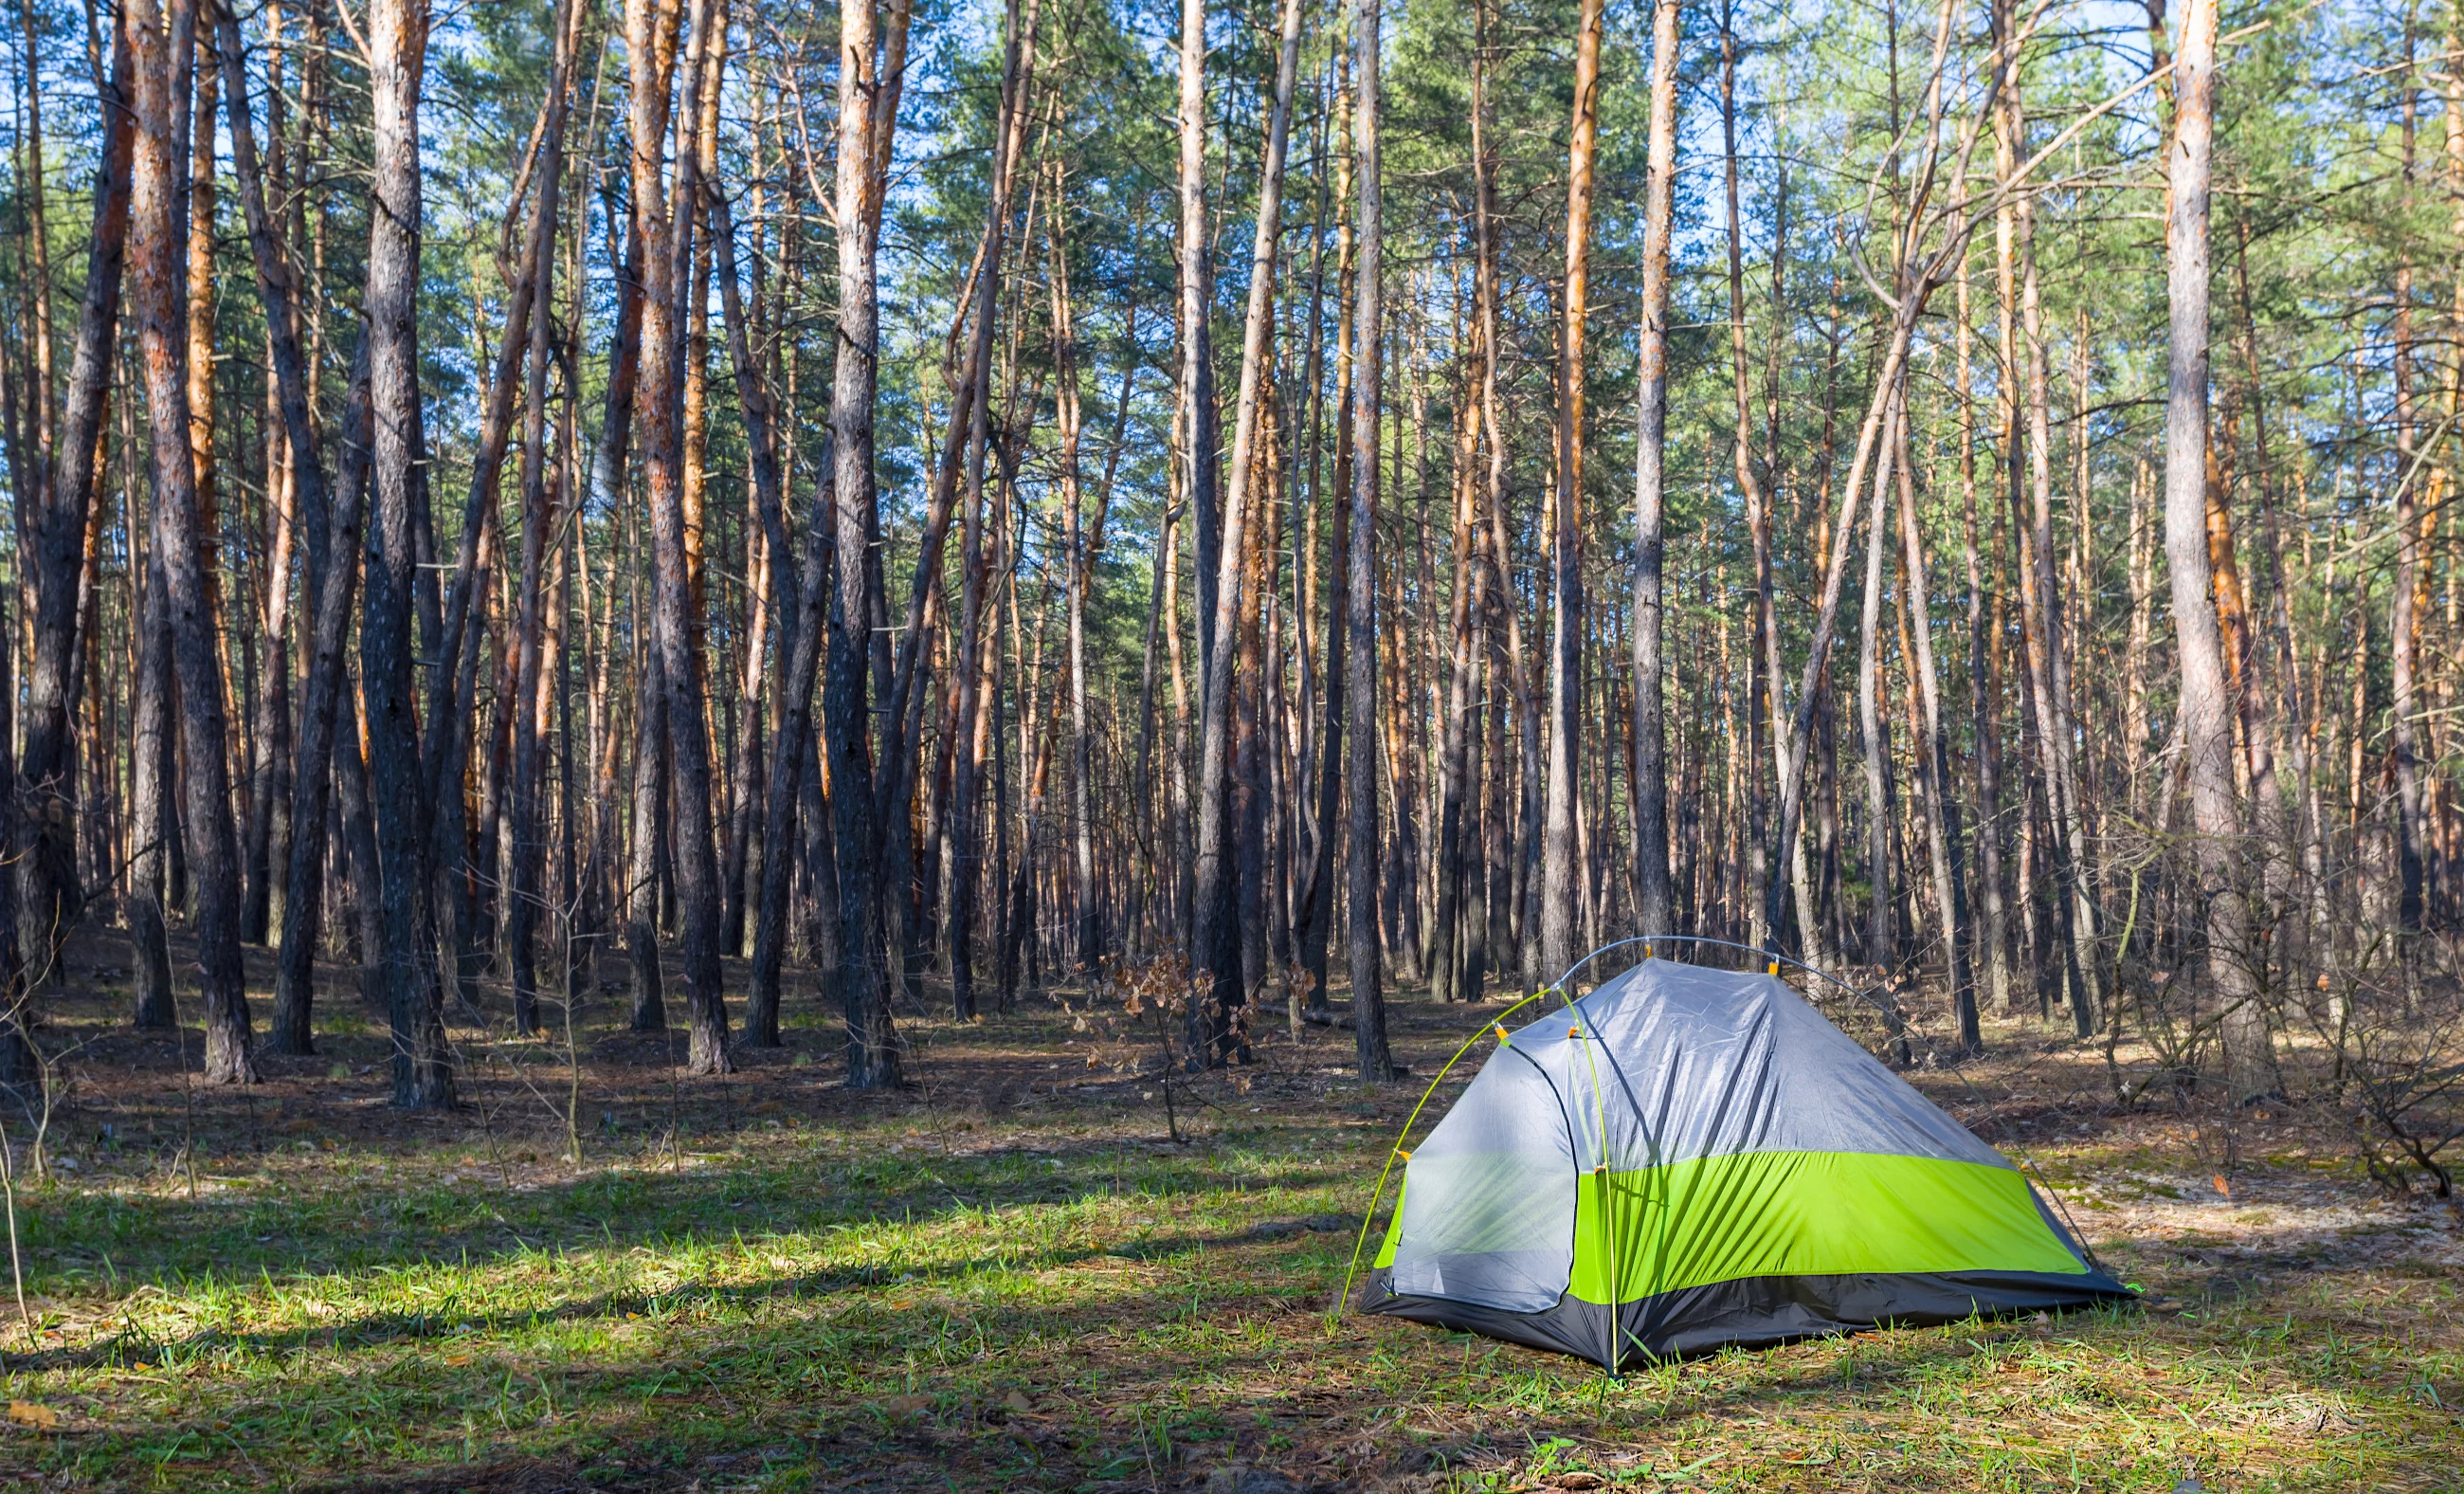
2041	615
1470	601
1145	864
423	1076
332	532
864	124
1217	943
1559	927
535	661
974	660
1318	933
1196	287
2409	595
1214	948
2207	723
1942	808
54	528
1763	718
1376	1065
1881	940
158	252
1654	912
1992	940
665	228
790	581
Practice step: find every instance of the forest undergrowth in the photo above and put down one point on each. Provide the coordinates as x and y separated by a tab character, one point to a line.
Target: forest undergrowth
1007	1277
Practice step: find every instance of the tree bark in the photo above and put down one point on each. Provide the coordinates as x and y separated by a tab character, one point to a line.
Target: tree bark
1882	932
1376	1065
665	227
1993	943
54	536
1654	912
153	823
159	232
332	534
1561	873
1763	717
787	583
423	1074
873	1052
1942	808
535	661
1218	942
2207	724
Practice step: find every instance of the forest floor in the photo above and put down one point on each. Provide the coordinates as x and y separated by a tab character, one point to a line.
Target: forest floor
1007	1277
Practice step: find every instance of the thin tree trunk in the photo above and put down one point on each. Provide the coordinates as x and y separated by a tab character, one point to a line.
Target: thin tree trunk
1144	831
1993	941
153	820
1882	933
1317	935
333	537
1762	656
2409	593
642	867
790	581
536	660
1942	808
1470	600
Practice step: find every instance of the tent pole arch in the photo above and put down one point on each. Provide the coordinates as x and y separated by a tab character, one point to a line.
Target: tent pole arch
1397	1152
1899	1022
1773	961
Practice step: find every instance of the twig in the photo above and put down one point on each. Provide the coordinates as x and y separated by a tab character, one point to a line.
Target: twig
16	1264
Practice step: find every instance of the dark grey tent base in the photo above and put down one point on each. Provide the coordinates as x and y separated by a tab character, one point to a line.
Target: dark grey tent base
1757	1311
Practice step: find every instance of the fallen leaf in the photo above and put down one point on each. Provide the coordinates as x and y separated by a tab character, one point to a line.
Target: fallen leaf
26	1413
1018	1402
907	1405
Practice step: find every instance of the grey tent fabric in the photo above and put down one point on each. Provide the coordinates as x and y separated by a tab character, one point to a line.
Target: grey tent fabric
1705	1154
1498	1178
1711	1062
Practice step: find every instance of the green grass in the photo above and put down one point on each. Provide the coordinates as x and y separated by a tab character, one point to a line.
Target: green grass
814	1290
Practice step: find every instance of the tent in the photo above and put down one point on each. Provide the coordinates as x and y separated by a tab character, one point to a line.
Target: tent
1688	1157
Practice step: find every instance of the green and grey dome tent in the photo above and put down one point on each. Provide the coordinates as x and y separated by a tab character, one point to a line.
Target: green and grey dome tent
1689	1157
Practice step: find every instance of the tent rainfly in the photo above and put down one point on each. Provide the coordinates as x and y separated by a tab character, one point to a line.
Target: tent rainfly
1688	1158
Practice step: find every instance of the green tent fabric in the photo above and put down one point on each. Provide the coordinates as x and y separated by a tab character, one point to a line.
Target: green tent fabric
1688	1158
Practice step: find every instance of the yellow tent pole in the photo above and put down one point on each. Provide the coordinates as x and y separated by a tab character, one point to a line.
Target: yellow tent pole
1370	1213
